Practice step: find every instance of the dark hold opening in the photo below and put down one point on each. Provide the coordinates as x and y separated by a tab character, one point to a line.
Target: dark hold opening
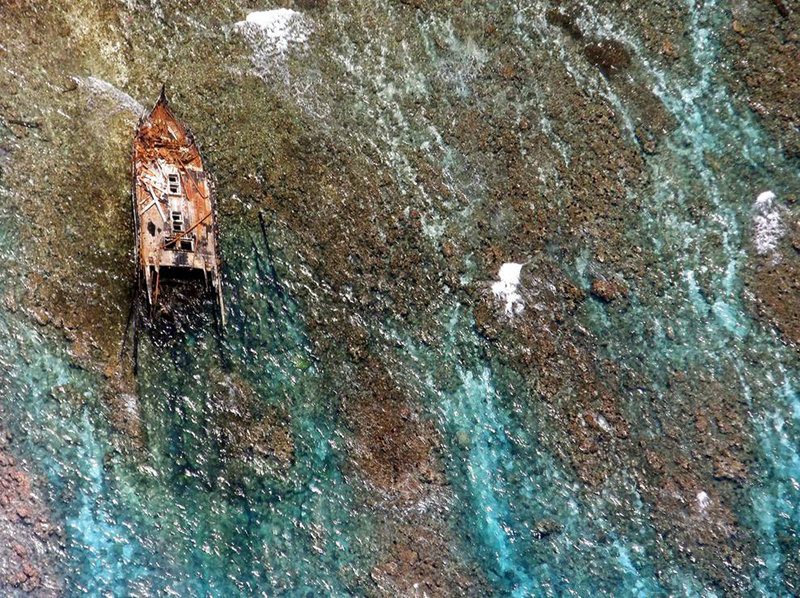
186	244
151	228
609	55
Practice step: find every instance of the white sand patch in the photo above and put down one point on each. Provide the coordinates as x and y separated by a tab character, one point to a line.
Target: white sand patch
767	223
271	32
506	287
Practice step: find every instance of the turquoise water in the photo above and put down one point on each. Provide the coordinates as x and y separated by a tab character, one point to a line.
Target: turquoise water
247	479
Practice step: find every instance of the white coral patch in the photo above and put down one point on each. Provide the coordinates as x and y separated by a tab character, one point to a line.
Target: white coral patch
703	500
506	287
767	223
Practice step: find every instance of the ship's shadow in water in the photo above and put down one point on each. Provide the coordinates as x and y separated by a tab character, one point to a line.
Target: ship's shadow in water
184	309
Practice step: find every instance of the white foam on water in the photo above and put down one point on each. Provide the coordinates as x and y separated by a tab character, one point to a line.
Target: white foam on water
603	423
274	36
276	29
506	287
767	223
104	88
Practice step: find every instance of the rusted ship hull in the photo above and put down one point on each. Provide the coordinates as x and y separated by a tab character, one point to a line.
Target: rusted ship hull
173	207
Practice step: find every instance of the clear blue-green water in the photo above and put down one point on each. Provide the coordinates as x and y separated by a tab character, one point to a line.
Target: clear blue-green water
185	510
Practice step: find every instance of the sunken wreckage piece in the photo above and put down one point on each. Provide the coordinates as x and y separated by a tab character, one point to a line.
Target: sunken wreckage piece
173	206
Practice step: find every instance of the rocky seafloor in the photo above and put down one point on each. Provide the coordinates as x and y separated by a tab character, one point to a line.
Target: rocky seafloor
512	298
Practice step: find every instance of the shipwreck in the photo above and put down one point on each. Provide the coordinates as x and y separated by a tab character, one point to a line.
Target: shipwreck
173	208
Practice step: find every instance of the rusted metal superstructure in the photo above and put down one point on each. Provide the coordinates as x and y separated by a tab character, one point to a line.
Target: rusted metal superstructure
173	206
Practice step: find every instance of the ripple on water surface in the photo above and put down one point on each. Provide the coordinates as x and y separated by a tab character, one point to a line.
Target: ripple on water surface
244	480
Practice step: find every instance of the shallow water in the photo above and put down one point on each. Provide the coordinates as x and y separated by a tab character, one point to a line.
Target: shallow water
259	468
